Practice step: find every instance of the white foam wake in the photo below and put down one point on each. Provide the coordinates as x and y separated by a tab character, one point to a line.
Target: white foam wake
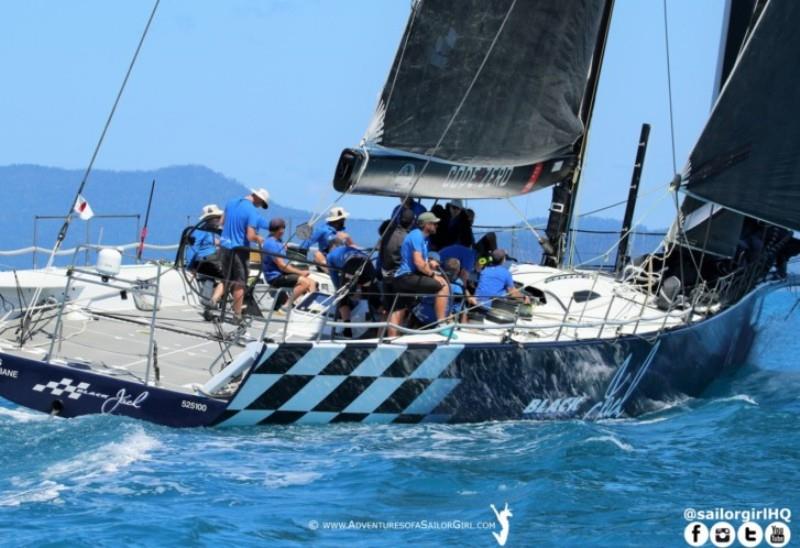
612	439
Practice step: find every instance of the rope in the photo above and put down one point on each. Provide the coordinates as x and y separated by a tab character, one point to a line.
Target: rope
125	247
669	90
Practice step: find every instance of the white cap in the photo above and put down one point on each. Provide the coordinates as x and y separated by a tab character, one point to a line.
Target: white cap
262	195
210	210
337	213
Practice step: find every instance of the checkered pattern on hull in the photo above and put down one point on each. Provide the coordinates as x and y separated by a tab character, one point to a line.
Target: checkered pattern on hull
327	382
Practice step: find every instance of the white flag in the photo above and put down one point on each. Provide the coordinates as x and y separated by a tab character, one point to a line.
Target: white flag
83	209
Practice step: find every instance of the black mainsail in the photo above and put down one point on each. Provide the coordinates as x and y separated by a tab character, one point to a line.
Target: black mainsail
748	156
483	101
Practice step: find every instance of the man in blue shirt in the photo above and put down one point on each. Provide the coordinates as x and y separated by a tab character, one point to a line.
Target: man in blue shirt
322	235
416	273
455	304
203	256
345	262
277	270
415	206
240	226
465	255
496	281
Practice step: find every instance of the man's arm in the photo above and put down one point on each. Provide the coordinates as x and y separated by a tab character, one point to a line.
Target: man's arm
284	266
252	236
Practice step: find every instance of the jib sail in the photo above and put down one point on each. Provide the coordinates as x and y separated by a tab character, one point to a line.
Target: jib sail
748	156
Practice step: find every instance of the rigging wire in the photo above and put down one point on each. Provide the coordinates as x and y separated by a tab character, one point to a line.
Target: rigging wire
669	90
62	234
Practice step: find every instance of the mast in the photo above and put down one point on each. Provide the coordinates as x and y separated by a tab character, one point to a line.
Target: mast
559	222
633	193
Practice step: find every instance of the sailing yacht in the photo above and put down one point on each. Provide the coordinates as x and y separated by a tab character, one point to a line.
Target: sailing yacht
489	100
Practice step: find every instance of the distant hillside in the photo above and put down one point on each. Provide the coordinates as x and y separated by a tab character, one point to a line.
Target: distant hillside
181	192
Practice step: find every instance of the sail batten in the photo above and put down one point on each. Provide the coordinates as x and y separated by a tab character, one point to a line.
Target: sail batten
489	90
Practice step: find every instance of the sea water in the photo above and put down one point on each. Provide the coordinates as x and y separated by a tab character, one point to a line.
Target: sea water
110	481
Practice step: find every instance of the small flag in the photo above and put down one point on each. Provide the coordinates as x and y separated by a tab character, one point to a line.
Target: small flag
83	209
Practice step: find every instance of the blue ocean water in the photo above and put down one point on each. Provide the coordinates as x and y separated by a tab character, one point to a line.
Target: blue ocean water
109	481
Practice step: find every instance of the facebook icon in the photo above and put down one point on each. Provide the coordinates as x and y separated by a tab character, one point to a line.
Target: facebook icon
695	534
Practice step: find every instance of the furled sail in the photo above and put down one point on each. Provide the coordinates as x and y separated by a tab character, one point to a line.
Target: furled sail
482	100
748	156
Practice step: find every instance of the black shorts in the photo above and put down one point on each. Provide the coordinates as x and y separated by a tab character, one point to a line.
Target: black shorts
416	284
285	280
211	266
235	263
353	265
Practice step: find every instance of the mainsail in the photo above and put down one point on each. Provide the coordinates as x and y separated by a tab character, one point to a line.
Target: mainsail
748	156
483	100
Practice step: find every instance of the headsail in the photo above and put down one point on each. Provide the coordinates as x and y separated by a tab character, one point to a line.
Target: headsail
700	225
748	157
483	100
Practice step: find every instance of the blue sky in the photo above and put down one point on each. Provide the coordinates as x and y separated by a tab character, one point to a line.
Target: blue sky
269	92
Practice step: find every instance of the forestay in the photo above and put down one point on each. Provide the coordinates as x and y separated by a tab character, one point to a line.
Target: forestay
483	100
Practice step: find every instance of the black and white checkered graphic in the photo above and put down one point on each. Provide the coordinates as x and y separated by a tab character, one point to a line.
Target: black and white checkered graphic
73	391
331	382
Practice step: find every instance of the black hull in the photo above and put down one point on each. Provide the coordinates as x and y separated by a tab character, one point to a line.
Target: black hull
323	383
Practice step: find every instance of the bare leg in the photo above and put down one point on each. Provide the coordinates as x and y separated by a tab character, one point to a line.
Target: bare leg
219	289
397	318
440	304
238	299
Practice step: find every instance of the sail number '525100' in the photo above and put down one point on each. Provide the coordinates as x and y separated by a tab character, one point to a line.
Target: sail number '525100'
478	176
194	406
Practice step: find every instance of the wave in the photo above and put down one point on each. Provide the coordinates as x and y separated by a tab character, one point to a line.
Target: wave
628	448
23	415
738	397
277	480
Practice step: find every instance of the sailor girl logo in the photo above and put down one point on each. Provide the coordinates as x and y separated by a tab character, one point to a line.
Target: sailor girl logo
502	518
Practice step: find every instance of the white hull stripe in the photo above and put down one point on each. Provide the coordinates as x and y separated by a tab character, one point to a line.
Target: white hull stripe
313	393
377	362
247	417
253	388
437	362
316	359
316	417
378	392
431	397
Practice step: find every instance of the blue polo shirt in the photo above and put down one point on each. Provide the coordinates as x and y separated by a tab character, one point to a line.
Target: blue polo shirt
425	311
271	270
204	246
416	207
415	241
322	236
336	260
495	281
463	253
239	214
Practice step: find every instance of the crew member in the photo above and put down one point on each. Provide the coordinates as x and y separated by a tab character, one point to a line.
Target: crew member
389	260
241	222
416	273
496	281
425	312
322	235
415	206
277	270
345	262
204	257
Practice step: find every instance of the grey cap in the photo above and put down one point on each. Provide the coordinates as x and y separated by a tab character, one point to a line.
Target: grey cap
498	255
427	217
